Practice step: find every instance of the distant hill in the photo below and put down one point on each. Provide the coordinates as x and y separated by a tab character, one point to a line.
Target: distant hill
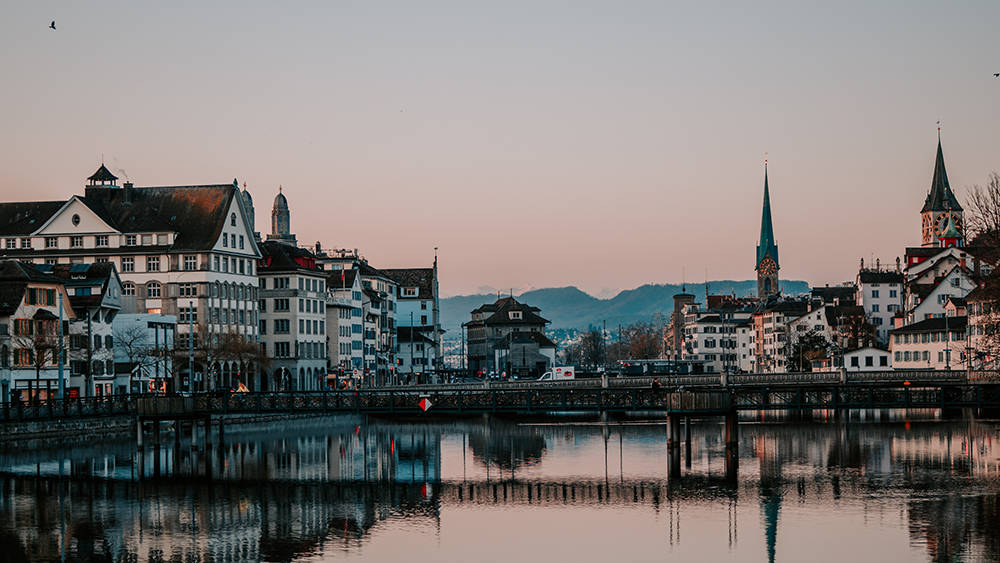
570	308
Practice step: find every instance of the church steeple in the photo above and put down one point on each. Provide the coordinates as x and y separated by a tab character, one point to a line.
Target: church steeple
940	204
767	249
281	219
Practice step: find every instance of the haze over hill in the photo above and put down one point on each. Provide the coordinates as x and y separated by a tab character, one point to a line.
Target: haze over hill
570	308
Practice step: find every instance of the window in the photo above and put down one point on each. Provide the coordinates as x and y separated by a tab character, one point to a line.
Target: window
874	294
233	239
128	288
217	267
282	326
147	240
153	290
280	305
242	269
186	290
232	220
225	240
152	263
263	326
263	305
301	305
281	283
874	308
190	262
282	350
75	242
97	342
109	342
101	240
241	242
869	361
892	294
409	292
303	326
51	242
423	320
187	314
129	240
161	239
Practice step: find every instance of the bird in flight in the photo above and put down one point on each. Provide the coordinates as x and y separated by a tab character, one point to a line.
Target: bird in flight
997	74
52	25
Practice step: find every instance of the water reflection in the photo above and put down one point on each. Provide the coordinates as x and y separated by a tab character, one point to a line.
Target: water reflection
331	487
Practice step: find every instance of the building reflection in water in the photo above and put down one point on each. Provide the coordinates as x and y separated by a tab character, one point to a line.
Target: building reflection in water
320	487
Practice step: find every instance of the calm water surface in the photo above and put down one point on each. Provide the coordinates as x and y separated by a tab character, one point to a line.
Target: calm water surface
343	489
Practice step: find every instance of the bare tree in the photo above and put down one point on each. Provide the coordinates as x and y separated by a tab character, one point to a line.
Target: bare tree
247	354
982	215
133	341
644	341
38	340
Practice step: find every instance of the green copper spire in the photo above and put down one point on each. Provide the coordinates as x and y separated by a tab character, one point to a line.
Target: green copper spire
940	198
766	244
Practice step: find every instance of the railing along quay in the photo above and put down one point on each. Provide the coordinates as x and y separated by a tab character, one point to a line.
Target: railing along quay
681	395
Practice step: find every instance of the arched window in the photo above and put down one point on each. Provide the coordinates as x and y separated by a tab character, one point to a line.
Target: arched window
232	219
128	288
153	290
767	285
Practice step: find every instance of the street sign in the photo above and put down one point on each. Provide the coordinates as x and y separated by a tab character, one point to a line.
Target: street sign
356	373
425	404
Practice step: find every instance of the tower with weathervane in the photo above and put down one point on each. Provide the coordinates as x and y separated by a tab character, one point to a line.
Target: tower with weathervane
941	216
767	251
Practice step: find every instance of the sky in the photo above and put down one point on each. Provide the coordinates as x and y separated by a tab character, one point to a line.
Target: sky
543	143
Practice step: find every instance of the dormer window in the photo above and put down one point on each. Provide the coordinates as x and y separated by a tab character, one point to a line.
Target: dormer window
515	315
409	292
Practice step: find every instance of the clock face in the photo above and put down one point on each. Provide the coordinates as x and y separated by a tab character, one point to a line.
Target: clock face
941	223
768	267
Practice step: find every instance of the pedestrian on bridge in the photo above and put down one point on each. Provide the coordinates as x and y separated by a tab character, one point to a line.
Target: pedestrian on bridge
656	385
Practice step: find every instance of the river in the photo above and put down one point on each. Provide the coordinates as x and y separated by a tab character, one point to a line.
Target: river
882	488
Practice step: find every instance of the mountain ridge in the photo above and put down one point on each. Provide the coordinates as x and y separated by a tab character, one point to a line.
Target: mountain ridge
571	308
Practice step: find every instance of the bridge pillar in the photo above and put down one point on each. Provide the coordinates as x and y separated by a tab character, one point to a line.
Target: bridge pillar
732	437
673	432
732	463
674	463
138	433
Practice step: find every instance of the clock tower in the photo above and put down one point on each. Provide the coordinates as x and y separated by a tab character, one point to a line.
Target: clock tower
941	208
767	251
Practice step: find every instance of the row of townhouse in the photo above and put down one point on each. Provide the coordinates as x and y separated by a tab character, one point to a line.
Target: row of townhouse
191	255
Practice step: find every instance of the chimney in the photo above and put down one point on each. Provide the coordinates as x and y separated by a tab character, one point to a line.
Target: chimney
127	187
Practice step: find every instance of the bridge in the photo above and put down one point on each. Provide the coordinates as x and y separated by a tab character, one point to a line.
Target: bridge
679	395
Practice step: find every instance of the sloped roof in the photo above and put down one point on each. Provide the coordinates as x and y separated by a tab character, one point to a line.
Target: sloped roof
196	213
14	278
834	314
921	290
103	175
501	313
940	197
280	257
24	218
412	334
92	274
533	336
933	325
420	278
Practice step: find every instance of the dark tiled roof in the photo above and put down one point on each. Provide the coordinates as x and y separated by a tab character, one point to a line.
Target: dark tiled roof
934	325
412	334
14	278
421	278
92	274
921	290
880	277
280	257
24	218
103	175
940	197
829	294
834	314
534	336
501	315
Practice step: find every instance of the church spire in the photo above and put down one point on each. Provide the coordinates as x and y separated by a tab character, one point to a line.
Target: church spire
767	250
766	244
940	198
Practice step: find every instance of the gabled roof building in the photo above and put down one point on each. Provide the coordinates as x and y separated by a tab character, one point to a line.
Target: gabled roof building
179	250
491	323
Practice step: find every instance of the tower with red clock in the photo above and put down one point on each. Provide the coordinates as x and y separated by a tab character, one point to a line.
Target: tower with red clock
767	251
941	209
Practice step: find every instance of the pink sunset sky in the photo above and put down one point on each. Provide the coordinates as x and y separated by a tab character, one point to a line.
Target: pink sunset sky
550	143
